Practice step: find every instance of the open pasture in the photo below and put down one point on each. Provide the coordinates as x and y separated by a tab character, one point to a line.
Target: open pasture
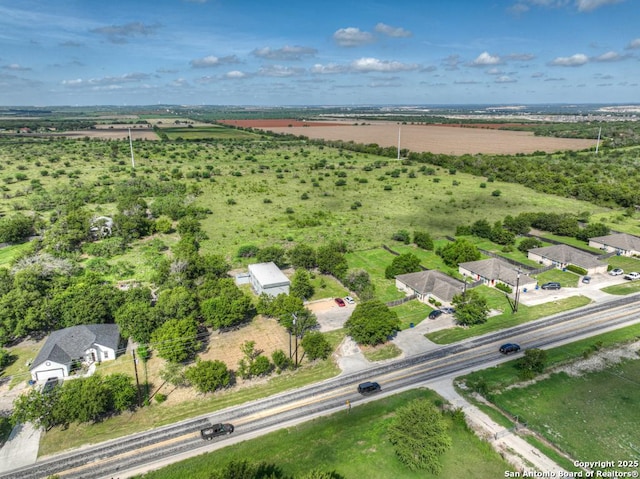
437	138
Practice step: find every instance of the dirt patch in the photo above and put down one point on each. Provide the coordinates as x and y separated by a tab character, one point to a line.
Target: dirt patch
267	334
278	123
438	139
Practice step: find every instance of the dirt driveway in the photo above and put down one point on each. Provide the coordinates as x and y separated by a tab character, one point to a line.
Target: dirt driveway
330	315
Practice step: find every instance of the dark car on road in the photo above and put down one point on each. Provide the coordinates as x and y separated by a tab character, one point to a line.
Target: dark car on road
509	348
216	430
368	387
340	302
551	285
435	314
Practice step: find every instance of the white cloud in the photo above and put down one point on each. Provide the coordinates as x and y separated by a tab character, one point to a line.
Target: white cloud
352	37
74	82
15	67
494	71
235	75
485	59
633	44
279	71
364	65
213	61
396	32
329	68
285	53
609	57
589	5
505	79
107	81
576	60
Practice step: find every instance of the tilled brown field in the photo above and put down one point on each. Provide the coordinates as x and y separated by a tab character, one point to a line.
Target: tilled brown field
440	139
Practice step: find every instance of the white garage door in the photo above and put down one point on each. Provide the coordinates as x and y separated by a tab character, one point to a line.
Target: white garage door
51	373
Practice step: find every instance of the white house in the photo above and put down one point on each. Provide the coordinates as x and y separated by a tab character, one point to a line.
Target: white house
69	347
267	278
493	271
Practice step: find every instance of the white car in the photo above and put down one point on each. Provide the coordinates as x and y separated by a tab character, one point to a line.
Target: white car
349	300
632	276
616	272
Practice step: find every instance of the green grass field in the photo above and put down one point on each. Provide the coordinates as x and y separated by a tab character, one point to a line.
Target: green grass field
354	445
212	132
589	417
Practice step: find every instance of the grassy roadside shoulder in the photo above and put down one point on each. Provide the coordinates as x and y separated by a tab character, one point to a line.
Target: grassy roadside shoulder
555	406
353	444
508	319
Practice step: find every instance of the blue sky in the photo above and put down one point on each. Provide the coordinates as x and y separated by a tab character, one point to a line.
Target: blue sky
277	52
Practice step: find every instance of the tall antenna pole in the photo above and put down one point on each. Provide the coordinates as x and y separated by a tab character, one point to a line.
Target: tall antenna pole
133	163
399	128
598	143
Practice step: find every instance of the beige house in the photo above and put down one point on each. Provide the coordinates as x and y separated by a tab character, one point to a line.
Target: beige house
562	255
622	244
493	271
429	284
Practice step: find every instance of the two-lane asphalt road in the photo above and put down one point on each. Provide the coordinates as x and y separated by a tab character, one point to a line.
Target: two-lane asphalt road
151	449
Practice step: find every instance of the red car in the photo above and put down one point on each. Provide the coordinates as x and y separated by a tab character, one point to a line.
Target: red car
340	302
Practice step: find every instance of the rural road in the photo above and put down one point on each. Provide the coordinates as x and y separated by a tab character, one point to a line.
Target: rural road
181	440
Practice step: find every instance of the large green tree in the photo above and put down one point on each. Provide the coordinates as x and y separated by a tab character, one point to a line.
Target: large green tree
302	256
402	264
460	251
372	322
207	376
228	305
419	435
316	346
331	260
137	319
176	340
301	284
471	308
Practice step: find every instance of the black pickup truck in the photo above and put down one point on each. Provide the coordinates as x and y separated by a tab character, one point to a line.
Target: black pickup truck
216	430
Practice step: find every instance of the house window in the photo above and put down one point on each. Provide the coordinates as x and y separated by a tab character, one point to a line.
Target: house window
106	354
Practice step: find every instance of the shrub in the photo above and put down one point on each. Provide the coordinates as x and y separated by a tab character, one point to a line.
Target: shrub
160	398
576	269
504	287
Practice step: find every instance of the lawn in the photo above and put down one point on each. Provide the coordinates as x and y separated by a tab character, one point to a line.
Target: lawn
374	261
411	312
354	444
9	253
589	417
506	319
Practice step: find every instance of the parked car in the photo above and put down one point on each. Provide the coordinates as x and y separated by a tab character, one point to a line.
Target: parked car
216	430
349	300
586	279
551	285
447	310
368	387
509	348
632	276
340	302
435	314
616	272
49	385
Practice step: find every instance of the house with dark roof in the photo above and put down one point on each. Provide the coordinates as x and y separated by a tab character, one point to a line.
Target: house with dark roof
622	244
562	255
493	271
267	278
429	284
67	348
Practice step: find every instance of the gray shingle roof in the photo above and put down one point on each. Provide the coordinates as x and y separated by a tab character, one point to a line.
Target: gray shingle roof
562	253
622	241
434	282
66	345
495	269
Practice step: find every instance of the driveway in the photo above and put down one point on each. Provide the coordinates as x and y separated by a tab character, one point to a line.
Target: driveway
330	315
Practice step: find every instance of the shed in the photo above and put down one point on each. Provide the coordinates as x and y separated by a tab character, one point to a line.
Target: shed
267	278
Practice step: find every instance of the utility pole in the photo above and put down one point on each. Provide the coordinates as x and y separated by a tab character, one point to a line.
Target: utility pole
517	298
135	367
296	335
